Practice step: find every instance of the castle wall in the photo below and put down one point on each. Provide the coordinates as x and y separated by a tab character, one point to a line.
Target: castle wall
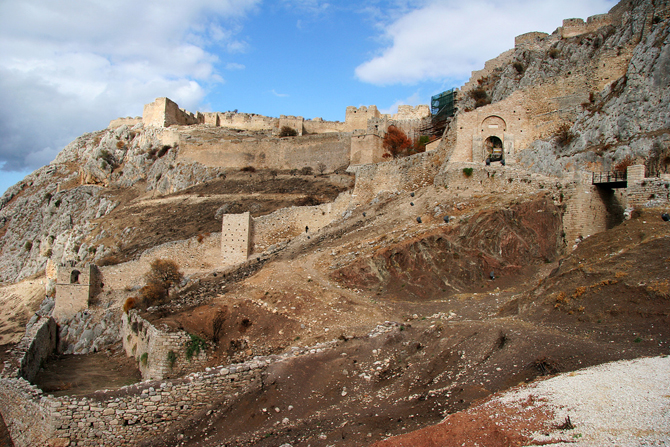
141	337
576	27
235	238
288	223
366	148
402	174
129	415
294	122
318	126
357	117
27	416
270	153
503	59
128	121
164	112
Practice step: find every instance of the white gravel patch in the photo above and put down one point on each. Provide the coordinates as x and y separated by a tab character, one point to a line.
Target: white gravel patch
625	403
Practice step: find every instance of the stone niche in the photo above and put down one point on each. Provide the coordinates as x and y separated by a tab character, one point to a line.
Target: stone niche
75	287
235	238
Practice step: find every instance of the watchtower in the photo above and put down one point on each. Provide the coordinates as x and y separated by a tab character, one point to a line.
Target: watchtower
75	287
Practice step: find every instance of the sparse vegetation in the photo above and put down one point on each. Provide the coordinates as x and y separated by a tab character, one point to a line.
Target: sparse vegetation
162	276
307	170
248	169
480	96
553	53
287	131
171	358
467	172
129	304
623	165
396	143
144	358
564	136
518	66
28	245
194	346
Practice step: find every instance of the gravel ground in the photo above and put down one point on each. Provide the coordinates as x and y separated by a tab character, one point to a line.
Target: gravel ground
625	403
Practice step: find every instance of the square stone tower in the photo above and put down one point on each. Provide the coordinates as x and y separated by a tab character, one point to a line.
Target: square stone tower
235	238
75	286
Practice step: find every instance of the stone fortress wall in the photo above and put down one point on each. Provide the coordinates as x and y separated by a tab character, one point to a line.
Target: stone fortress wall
122	417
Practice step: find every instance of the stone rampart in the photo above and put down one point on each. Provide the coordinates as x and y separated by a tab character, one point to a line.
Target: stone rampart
294	122
128	121
649	192
75	286
159	353
503	59
528	40
576	27
270	152
129	415
164	112
288	223
402	174
25	412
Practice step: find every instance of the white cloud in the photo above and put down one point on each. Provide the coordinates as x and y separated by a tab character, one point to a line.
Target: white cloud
449	39
235	66
280	95
69	66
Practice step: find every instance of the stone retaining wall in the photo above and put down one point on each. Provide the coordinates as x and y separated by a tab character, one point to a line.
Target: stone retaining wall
126	416
159	353
648	192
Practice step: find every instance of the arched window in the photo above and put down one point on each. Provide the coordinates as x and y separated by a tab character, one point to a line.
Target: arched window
74	277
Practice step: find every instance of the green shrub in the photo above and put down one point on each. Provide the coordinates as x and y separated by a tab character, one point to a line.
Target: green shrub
171	358
28	245
144	358
518	66
467	172
194	346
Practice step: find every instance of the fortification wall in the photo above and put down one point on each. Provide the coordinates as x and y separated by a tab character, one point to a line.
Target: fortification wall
270	153
402	174
288	223
165	351
128	121
357	117
26	414
75	286
576	27
318	126
649	192
366	148
164	112
503	59
129	415
294	122
529	40
235	238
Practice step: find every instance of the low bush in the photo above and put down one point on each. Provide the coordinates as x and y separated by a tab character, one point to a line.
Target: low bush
129	304
518	66
467	172
287	131
564	136
622	165
248	169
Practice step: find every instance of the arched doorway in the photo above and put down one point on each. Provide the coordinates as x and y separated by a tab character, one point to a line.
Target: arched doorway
74	277
493	147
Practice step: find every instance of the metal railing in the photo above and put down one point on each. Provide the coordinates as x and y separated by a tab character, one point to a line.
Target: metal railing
608	177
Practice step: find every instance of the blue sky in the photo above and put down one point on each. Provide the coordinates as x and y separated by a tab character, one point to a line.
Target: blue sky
70	66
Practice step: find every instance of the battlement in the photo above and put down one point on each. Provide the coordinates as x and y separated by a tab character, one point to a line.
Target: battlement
575	27
529	39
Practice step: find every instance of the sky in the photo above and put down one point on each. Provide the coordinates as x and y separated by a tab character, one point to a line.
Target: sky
68	67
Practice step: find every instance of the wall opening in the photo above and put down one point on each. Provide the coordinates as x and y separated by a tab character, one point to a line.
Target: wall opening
74	277
494	148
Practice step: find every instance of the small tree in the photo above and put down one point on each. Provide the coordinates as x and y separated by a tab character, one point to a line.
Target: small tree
307	170
321	166
163	275
396	144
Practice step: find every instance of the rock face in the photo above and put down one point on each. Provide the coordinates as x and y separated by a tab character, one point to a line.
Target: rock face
48	214
630	117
